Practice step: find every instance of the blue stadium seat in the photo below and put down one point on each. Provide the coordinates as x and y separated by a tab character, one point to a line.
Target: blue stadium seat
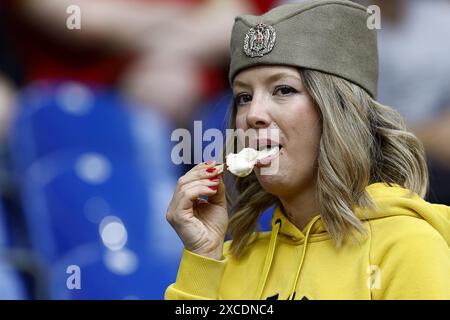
54	116
71	199
106	274
83	166
57	189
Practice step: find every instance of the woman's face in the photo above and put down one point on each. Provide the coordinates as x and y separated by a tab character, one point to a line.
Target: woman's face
273	99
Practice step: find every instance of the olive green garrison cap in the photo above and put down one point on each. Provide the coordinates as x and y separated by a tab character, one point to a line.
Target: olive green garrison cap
329	36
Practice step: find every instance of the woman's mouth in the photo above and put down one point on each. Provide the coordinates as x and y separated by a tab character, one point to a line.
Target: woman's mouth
267	154
242	163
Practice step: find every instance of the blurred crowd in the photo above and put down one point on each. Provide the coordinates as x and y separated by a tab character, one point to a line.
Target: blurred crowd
86	117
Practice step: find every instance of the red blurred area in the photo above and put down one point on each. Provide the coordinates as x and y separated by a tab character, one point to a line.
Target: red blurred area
45	58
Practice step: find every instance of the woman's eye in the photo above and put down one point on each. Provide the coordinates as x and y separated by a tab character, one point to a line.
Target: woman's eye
241	99
284	90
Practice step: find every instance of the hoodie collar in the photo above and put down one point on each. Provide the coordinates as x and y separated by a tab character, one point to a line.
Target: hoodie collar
290	230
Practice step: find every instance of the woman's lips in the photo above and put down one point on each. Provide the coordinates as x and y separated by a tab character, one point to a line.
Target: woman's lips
266	160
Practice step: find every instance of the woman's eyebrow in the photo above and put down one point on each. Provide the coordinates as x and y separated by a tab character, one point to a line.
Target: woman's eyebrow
279	76
272	78
238	83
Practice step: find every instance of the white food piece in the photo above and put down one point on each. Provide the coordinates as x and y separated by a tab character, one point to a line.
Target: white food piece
241	164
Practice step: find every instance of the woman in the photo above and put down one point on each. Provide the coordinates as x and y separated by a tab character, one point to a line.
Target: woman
350	220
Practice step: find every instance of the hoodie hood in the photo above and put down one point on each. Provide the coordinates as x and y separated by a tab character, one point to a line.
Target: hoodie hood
397	201
390	200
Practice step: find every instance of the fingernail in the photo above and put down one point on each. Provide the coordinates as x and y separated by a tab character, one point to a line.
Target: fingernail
209	162
214	179
213	188
210	170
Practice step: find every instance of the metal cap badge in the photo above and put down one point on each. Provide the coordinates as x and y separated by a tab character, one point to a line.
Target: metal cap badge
259	40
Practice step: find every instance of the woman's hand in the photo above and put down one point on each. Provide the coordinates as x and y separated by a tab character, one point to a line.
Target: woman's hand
201	224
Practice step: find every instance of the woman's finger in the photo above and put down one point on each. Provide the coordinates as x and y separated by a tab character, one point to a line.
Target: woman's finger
201	171
187	197
213	183
219	198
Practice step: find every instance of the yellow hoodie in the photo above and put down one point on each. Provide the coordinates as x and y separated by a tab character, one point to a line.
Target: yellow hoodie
406	255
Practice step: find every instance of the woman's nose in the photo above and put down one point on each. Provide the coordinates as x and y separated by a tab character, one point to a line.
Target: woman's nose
257	115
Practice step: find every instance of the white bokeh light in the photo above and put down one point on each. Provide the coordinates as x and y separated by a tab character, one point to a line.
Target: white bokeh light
113	233
93	168
122	262
75	98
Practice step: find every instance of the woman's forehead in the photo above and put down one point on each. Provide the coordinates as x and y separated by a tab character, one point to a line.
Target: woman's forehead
263	73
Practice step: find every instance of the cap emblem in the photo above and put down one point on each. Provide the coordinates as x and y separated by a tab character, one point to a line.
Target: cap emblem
259	40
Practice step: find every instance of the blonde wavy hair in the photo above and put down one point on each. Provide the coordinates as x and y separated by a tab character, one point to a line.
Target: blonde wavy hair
362	142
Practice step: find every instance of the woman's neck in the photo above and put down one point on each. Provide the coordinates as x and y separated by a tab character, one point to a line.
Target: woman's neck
301	208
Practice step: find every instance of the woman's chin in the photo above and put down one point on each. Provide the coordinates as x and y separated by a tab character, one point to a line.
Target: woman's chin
271	175
271	183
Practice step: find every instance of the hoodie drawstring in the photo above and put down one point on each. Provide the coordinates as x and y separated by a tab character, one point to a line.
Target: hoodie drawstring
269	258
271	252
292	294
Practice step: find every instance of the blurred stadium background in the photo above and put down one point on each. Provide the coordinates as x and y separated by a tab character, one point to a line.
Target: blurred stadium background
86	118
